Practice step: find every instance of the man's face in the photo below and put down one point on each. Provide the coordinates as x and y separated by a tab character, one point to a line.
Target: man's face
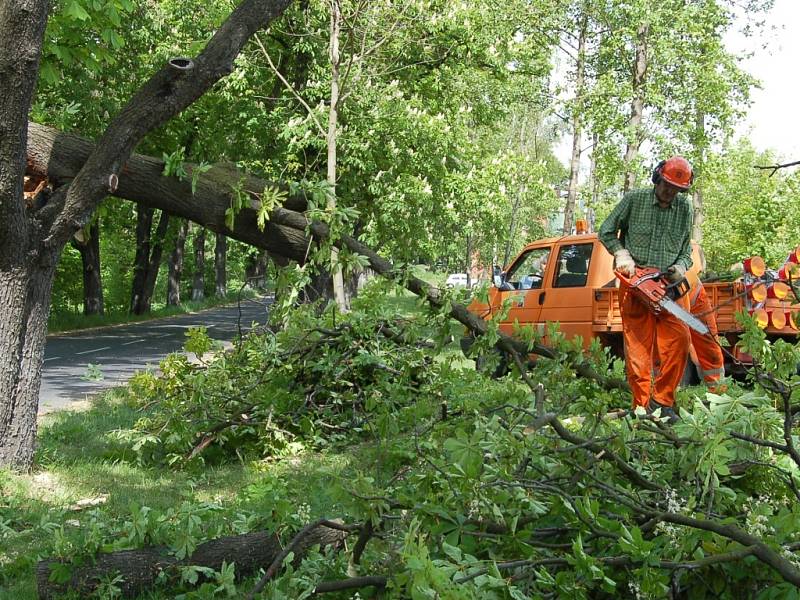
666	192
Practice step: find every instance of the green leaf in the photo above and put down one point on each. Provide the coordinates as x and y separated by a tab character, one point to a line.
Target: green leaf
74	9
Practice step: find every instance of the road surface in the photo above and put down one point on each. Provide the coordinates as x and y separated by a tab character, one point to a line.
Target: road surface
118	352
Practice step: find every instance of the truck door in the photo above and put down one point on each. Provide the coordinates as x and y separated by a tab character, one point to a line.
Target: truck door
567	295
523	283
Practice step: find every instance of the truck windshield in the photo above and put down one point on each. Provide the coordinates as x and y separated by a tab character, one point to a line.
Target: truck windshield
528	272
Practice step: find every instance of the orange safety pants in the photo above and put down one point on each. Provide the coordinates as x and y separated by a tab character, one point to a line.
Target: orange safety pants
705	351
647	337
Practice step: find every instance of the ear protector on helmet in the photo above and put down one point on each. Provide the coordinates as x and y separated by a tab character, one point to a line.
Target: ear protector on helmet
656	176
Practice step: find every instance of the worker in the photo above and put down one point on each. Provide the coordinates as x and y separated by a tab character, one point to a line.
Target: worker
651	227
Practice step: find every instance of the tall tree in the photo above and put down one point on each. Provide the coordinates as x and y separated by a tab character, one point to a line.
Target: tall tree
635	133
331	139
577	119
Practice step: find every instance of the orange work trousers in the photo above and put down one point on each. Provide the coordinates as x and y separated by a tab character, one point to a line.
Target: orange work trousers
649	337
705	351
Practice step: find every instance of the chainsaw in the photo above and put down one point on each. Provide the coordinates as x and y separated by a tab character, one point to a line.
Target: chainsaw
651	287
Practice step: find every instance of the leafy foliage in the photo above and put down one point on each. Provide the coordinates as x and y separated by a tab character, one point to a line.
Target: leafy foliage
478	489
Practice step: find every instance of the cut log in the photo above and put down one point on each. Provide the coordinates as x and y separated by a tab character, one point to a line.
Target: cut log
140	568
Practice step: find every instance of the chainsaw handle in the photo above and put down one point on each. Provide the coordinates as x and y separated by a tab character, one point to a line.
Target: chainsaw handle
641	275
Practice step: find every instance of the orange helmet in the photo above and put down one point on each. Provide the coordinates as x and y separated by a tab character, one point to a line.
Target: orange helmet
675	170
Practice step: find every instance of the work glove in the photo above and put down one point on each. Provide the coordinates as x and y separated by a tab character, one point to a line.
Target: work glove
623	262
676	272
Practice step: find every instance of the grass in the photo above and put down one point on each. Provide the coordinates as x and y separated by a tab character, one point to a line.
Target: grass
61	321
81	456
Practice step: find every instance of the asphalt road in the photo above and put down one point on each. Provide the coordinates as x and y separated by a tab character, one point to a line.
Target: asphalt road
120	351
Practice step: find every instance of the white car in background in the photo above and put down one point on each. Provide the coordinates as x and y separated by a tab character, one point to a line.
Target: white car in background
455	280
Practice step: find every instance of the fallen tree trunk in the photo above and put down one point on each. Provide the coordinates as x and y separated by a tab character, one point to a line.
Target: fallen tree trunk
140	569
58	156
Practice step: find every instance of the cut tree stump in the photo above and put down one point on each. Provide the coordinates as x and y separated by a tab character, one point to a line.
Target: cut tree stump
141	568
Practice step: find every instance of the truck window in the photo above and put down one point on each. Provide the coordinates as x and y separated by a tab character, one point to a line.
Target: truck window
573	265
528	272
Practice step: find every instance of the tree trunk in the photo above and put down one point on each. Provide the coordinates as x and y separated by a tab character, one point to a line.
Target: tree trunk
697	192
154	262
255	270
140	568
147	262
220	267
512	226
31	242
337	279
199	275
26	273
468	259
635	134
577	118
141	260
59	156
89	247
593	177
176	265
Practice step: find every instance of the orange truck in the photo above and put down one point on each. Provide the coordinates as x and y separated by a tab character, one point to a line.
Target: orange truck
570	280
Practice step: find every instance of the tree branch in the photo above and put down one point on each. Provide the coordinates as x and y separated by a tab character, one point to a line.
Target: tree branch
774	168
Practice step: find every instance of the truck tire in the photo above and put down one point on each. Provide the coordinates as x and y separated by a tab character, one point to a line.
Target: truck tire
690	375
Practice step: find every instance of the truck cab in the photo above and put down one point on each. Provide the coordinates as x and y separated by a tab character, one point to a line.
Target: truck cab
552	280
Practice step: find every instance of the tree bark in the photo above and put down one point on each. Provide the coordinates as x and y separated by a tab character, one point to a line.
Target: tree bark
89	247
140	568
31	243
220	266
637	105
176	265
26	276
199	275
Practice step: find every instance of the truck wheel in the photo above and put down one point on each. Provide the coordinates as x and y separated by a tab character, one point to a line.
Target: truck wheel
690	375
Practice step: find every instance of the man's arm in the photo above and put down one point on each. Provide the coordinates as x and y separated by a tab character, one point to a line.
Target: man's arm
618	219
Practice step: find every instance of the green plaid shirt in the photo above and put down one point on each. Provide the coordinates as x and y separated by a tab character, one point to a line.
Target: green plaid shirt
655	237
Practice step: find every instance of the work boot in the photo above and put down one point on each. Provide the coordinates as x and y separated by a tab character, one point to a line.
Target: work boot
660	411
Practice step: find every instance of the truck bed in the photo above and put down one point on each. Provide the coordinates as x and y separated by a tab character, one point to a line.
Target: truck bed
727	297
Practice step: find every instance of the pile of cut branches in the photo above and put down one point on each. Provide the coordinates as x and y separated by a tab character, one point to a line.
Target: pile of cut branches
536	485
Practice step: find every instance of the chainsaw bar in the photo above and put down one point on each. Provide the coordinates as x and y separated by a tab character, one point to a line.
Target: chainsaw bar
649	285
687	317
